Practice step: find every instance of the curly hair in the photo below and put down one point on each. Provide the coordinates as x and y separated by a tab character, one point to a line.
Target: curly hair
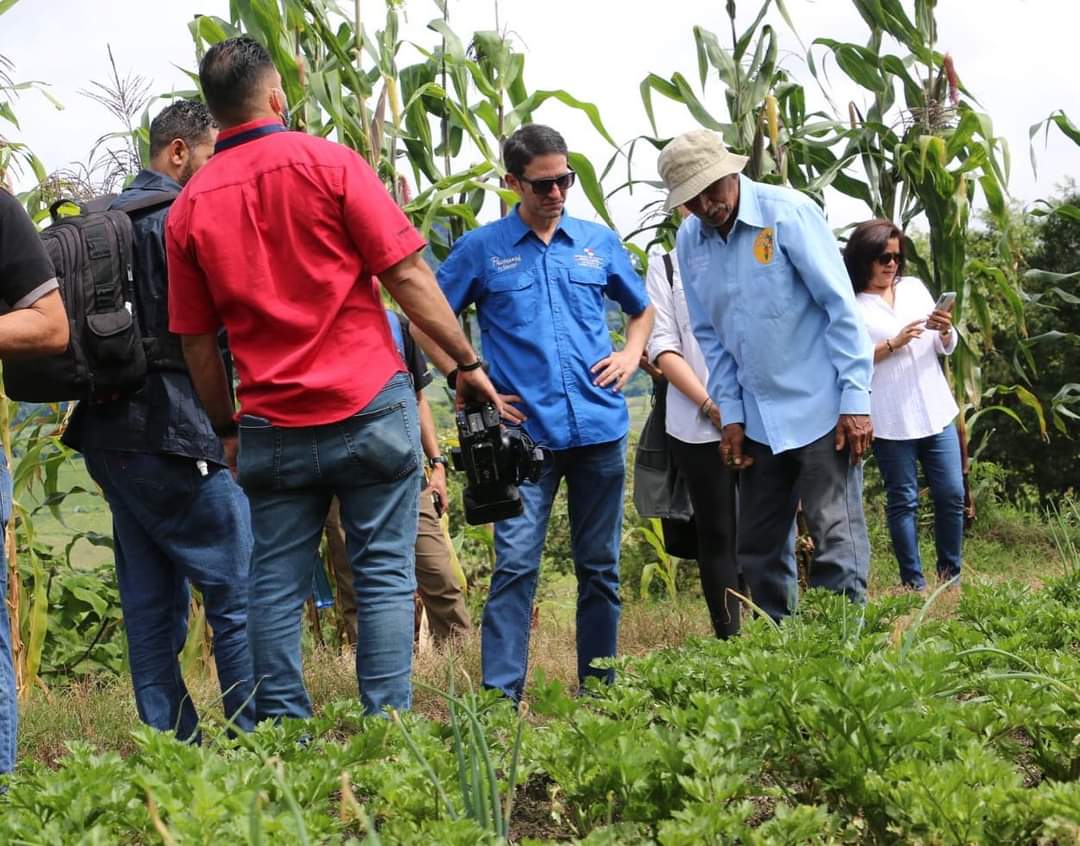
188	120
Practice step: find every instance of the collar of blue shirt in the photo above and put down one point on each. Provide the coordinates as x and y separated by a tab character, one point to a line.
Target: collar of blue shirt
749	209
568	226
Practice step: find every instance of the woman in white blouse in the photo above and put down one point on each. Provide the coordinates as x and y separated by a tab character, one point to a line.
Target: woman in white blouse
693	426
911	405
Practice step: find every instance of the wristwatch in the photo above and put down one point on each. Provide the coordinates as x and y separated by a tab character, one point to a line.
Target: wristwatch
436	460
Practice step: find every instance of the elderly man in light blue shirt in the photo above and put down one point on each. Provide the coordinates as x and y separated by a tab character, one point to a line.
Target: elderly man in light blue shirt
790	365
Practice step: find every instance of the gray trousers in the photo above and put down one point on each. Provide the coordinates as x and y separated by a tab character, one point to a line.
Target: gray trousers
830	490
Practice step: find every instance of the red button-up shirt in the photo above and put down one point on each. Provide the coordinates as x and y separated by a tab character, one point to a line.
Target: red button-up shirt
278	239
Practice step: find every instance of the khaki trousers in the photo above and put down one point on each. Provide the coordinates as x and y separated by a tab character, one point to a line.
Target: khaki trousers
438	588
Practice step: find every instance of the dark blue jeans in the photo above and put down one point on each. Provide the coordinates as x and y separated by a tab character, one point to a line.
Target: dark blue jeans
941	463
171	526
9	710
594	491
371	462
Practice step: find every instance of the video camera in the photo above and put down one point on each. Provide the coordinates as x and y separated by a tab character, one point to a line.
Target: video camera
496	459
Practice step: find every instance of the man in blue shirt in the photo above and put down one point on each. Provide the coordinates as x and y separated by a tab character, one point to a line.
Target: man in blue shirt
789	365
539	279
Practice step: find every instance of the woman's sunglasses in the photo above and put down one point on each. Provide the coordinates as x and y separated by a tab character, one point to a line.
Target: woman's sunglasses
543	187
888	258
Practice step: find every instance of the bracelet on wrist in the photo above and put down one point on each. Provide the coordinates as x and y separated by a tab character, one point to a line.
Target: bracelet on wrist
475	365
888	343
706	407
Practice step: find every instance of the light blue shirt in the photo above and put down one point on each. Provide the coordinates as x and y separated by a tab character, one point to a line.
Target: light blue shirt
774	312
543	321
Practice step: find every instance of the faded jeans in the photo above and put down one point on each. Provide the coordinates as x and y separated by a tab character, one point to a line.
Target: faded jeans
9	709
371	462
941	463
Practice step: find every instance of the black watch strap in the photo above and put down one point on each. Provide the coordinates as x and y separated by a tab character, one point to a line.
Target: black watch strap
476	365
436	460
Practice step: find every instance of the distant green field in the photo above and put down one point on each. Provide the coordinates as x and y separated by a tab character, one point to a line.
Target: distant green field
80	512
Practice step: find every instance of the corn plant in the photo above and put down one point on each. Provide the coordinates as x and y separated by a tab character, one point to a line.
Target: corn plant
665	568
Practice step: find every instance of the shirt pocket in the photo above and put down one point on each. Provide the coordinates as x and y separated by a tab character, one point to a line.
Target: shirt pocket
772	291
587	294
511	300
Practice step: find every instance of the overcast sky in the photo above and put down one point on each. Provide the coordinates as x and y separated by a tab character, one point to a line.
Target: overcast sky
1017	56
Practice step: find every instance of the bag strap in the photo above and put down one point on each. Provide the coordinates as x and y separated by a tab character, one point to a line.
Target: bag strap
152	200
669	269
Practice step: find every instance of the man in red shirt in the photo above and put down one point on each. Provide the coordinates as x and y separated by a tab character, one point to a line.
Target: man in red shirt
279	239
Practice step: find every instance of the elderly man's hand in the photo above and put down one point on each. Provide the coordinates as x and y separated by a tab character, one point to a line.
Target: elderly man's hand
731	444
856	432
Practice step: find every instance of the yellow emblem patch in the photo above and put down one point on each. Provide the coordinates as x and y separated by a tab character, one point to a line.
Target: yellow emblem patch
764	246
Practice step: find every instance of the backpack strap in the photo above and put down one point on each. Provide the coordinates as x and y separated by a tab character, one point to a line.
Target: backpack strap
152	200
669	269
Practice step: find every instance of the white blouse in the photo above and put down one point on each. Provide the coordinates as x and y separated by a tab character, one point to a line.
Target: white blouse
909	395
672	333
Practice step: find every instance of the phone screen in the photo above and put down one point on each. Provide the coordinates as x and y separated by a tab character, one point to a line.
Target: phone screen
945	301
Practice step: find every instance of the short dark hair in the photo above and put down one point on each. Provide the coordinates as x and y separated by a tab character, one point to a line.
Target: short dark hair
527	143
867	242
230	74
188	120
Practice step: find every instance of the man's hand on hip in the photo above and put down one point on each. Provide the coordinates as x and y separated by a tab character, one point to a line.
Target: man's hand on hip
731	447
854	431
616	370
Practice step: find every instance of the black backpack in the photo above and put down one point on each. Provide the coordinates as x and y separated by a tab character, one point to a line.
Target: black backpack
106	357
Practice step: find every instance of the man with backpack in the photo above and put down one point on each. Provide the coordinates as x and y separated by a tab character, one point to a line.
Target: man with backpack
32	322
178	514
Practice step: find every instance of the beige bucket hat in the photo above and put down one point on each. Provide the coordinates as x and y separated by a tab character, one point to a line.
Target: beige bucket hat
692	162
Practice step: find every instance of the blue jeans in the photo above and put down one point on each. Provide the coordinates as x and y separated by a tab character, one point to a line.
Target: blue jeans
9	709
371	462
594	489
940	458
172	526
830	489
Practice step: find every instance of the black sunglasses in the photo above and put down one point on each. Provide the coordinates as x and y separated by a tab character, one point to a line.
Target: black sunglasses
886	258
543	186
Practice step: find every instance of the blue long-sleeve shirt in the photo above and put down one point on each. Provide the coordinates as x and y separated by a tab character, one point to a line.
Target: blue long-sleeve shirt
774	312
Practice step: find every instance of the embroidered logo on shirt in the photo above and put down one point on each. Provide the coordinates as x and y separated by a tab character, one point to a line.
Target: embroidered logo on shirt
764	246
501	264
589	259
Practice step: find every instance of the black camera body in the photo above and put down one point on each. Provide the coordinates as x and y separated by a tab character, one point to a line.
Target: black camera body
496	459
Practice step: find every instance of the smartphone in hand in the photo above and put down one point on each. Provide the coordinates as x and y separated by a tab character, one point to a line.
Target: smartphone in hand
944	303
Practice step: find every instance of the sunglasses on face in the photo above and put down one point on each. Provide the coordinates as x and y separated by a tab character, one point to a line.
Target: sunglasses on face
543	186
888	258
